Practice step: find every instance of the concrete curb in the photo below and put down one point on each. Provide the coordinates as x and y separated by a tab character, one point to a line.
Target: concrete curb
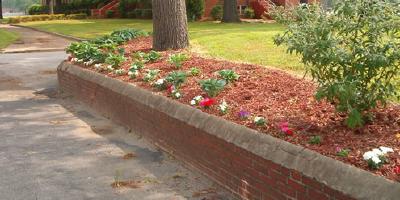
51	33
348	180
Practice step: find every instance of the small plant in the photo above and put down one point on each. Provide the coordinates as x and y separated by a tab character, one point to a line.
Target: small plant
342	152
196	100
228	75
315	139
176	94
137	65
223	107
177	59
259	121
115	60
99	67
120	72
151	75
133	74
244	115
377	157
161	84
177	78
152	56
216	12
212	86
194	71
138	55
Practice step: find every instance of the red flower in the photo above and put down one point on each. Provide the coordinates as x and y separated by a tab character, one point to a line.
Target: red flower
171	88
396	170
207	102
284	126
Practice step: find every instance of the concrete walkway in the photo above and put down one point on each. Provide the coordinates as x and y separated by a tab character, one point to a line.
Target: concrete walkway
52	147
31	41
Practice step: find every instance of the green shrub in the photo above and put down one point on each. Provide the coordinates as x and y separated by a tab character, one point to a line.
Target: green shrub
249	13
77	16
36	9
115	60
216	12
110	13
152	56
194	9
352	52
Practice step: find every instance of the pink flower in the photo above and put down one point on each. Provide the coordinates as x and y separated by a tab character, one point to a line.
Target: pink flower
171	88
284	126
396	170
207	102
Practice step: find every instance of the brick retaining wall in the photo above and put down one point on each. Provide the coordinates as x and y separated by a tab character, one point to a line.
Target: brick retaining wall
250	164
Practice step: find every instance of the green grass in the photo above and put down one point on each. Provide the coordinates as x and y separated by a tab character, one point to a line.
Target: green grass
243	42
6	38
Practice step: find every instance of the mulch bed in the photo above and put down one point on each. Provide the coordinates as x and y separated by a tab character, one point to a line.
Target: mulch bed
281	97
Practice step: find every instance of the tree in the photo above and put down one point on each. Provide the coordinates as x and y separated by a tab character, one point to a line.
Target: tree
169	25
230	12
1	9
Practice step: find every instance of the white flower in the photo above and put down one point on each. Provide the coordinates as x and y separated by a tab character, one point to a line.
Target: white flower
386	150
376	159
198	98
110	68
79	60
368	155
223	107
119	72
378	152
177	95
257	119
193	102
159	82
74	59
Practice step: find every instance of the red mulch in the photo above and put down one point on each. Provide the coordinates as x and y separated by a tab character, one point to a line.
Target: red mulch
281	97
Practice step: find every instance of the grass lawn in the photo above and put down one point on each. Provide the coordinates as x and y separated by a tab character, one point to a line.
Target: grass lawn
6	38
236	42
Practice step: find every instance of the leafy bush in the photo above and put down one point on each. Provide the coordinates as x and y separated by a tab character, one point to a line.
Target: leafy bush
36	9
194	9
249	13
216	12
110	13
177	59
228	75
352	52
177	78
115	60
212	86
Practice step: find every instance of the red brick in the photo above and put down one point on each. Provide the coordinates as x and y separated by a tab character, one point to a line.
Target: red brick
312	183
296	186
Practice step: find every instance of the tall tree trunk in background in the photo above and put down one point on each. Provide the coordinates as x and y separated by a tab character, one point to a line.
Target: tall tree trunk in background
51	7
169	25
1	9
230	12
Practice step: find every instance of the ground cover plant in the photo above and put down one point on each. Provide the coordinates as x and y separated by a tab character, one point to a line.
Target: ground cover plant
270	101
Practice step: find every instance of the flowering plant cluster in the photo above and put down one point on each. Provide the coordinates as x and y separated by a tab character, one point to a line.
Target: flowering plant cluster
160	84
243	115
151	75
377	157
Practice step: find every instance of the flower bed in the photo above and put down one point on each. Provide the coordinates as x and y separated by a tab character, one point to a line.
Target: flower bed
270	101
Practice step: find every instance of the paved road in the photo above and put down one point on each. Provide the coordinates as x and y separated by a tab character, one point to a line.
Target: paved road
33	41
52	147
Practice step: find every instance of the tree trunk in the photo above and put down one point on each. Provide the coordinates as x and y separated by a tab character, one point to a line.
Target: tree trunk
230	12
169	25
1	9
51	7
